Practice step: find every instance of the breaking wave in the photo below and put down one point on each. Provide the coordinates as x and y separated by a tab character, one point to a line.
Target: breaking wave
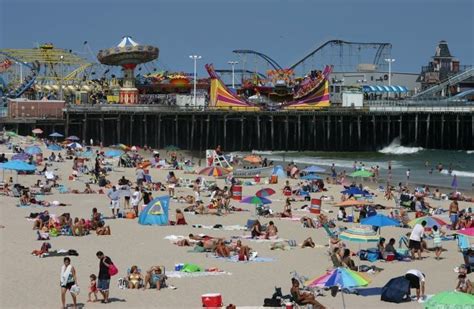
397	149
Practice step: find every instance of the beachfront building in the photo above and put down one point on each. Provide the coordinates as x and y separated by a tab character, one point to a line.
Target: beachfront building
442	67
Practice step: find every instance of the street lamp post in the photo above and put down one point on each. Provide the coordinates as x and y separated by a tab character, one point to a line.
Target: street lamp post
233	63
195	58
61	58
390	60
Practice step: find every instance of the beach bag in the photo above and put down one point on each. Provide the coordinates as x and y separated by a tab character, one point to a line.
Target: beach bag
191	268
363	255
75	289
272	302
113	270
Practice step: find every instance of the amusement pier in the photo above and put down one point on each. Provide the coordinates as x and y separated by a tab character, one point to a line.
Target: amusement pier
331	107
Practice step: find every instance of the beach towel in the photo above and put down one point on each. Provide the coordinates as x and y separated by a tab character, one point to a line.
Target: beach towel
180	274
222	227
235	259
249	238
65	273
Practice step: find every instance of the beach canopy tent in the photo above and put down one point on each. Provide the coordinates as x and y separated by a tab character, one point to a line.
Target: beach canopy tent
16	165
279	171
397	290
156	212
383	89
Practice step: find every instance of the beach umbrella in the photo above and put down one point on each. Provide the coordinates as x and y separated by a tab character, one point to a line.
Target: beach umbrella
54	147
56	134
314	169
430	221
361	173
466	232
122	146
33	150
265	192
359	235
17	165
341	277
113	153
73	138
11	134
379	220
256	200
355	191
454	183
74	145
37	131
253	159
21	156
311	177
450	299
215	171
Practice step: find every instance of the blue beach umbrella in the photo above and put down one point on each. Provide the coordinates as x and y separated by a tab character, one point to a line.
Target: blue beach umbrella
54	147
73	138
311	177
17	165
355	191
33	150
56	134
380	220
74	145
314	169
21	157
113	153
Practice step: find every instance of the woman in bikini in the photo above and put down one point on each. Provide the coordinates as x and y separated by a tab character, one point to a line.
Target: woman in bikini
303	298
134	278
221	249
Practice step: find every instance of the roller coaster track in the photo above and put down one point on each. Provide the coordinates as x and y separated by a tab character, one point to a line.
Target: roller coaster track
15	93
378	55
240	71
269	60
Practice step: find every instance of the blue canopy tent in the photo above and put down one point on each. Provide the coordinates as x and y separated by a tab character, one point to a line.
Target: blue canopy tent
279	171
156	212
18	166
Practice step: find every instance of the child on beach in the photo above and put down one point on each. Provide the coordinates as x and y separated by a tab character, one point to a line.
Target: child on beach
464	284
436	234
93	288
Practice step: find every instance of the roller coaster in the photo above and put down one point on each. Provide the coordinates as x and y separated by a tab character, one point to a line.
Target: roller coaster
344	56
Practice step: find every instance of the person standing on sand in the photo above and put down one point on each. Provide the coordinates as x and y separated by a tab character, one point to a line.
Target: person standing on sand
197	189
67	280
114	196
135	200
454	214
415	239
103	284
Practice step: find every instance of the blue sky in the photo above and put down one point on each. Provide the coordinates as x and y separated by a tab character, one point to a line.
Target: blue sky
284	30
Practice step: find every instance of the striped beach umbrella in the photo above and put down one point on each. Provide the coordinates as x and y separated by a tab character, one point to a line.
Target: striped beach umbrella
215	171
265	192
340	277
430	221
256	200
359	235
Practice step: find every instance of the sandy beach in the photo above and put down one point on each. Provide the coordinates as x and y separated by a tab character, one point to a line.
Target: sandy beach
31	282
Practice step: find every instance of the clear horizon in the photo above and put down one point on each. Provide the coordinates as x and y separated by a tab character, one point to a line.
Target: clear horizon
284	30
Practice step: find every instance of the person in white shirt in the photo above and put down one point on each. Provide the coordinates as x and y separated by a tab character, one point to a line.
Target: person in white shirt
135	199
416	237
417	281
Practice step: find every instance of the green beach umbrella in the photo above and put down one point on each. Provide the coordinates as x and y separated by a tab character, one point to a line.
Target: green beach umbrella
362	173
450	299
11	134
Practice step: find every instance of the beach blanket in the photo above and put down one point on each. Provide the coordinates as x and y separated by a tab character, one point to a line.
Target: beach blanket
249	238
235	259
291	219
223	227
180	274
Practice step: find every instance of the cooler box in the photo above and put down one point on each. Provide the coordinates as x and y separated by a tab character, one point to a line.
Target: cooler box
237	192
274	179
211	300
315	206
390	257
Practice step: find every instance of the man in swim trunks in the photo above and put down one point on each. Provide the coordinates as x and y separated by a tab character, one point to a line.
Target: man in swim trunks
454	214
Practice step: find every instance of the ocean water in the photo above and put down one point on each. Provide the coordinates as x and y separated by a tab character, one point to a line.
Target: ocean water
402	159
